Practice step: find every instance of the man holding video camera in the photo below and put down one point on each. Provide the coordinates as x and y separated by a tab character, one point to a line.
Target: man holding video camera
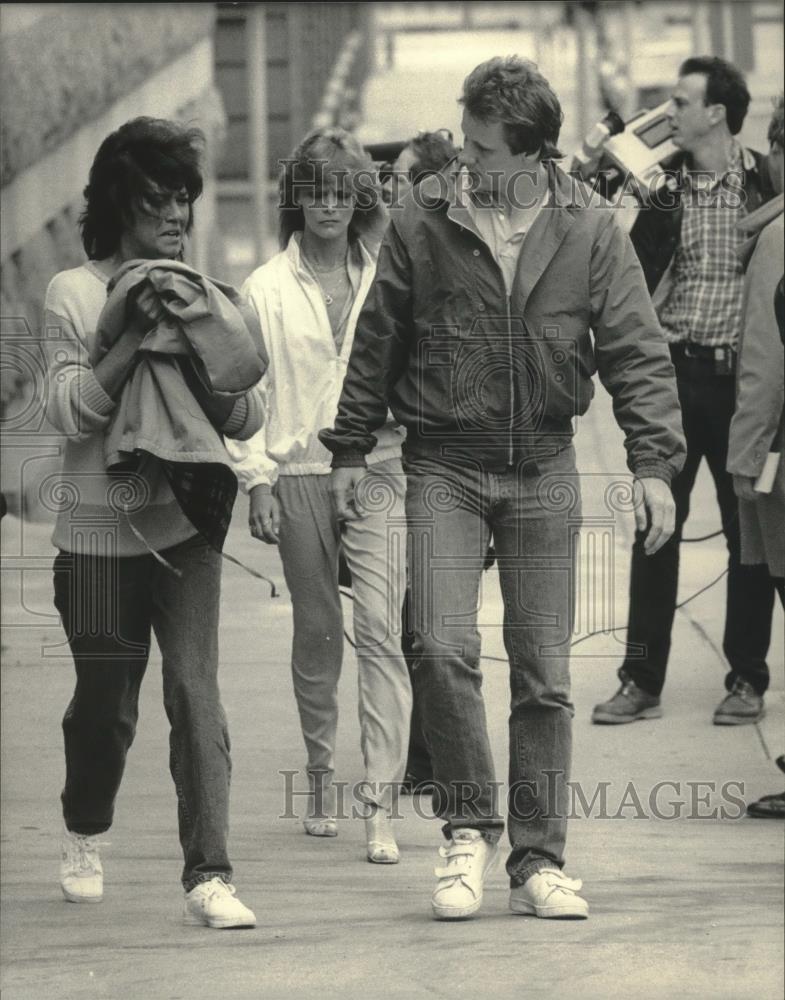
687	241
476	333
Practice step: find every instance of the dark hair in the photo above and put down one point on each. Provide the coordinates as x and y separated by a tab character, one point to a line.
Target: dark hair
512	91
129	169
724	85
330	157
432	150
776	132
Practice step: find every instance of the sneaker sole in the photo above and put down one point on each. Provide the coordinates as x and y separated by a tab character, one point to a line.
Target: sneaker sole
737	720
72	898
455	913
221	925
548	912
617	720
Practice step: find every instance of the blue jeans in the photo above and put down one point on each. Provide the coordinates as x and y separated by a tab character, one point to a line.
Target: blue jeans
533	515
108	606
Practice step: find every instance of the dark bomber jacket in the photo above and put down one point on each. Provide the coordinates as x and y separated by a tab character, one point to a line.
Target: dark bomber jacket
482	379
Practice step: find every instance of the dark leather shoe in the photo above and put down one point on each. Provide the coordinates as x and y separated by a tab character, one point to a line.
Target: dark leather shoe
628	704
768	807
740	706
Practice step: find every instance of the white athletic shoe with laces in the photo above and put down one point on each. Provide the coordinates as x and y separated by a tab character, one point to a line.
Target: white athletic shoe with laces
468	859
81	872
550	893
214	904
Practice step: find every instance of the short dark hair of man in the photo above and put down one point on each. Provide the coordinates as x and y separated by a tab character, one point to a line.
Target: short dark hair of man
512	91
432	151
724	85
133	166
776	132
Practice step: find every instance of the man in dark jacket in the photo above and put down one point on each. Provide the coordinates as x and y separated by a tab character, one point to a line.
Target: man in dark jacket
476	333
686	241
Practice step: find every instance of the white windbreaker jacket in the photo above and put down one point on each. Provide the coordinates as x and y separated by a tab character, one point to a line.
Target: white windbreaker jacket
303	382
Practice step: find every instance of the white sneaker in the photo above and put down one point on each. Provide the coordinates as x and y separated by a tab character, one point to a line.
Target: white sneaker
214	904
81	872
468	860
550	893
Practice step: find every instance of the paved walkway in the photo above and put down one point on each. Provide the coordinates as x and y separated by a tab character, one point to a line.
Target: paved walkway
689	906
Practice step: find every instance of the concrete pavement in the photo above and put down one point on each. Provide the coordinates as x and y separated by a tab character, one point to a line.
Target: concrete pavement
688	906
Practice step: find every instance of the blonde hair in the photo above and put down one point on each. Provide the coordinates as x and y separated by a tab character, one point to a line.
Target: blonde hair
330	157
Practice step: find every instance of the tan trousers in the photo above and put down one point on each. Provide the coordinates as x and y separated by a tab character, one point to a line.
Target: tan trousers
311	538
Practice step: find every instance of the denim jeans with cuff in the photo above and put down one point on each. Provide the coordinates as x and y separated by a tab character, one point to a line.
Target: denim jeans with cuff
532	513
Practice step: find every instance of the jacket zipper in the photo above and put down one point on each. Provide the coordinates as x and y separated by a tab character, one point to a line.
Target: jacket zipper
511	383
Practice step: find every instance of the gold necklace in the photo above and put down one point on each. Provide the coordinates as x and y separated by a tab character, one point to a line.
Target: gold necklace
315	271
329	298
328	270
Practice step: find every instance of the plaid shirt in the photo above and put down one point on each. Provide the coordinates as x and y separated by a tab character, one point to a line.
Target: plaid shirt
206	493
705	286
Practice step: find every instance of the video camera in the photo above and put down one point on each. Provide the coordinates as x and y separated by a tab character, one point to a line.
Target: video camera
384	155
638	147
644	146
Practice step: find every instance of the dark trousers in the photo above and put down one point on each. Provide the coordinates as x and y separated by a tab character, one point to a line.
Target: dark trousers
109	607
707	403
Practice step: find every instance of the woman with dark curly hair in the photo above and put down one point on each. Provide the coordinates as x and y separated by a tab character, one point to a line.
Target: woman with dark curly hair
121	575
308	298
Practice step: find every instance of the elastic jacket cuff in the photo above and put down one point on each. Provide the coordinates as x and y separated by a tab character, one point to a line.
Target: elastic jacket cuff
348	460
654	470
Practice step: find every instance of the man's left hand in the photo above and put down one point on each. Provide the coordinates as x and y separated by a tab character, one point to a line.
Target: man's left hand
343	488
658	511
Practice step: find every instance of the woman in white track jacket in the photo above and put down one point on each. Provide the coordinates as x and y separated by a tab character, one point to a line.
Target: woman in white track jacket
308	298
